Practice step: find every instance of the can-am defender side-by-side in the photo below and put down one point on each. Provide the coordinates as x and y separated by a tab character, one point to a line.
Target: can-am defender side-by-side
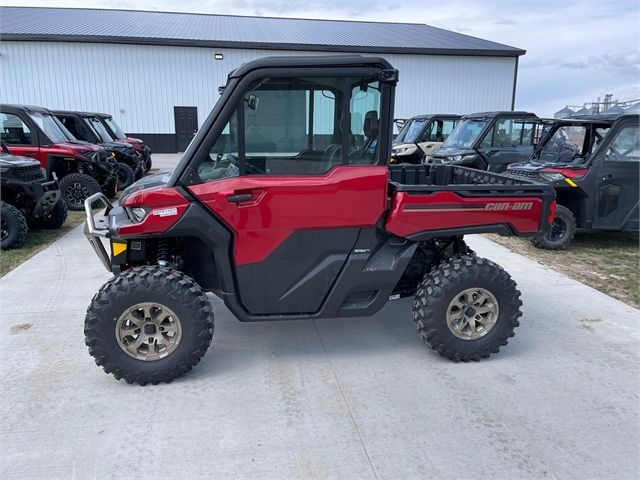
118	135
88	127
593	162
27	198
281	226
490	140
420	136
82	169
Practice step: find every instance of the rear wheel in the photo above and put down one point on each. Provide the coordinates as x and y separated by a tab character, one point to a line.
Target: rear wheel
55	219
13	227
562	231
76	188
149	325
126	176
466	308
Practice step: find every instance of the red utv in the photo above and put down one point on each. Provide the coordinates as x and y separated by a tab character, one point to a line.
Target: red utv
119	136
281	225
82	169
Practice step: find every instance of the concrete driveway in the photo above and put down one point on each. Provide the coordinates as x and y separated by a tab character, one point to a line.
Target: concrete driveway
344	399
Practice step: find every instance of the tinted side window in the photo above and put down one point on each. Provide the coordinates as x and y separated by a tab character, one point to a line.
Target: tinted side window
364	110
438	131
510	133
626	146
14	130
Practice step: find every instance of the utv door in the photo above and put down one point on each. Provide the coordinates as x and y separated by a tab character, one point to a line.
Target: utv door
617	169
19	137
295	175
435	134
510	140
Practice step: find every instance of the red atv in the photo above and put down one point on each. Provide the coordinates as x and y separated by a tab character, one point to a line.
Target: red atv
285	208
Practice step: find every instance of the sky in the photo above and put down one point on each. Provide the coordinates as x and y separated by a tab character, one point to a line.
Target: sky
577	51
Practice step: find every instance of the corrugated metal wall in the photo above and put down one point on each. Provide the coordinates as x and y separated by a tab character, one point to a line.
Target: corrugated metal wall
141	84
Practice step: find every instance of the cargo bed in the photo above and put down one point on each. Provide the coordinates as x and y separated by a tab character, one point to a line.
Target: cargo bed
430	201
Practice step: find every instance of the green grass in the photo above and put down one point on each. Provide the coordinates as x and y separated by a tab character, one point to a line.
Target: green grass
36	241
606	261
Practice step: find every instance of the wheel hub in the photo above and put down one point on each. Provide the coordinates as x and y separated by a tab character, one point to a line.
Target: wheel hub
148	331
472	313
77	193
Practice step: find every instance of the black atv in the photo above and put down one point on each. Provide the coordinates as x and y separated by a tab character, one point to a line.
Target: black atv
27	199
594	164
88	127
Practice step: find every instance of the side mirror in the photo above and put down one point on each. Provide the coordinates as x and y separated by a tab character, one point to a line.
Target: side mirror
252	101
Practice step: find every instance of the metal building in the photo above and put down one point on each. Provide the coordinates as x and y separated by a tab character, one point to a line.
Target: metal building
158	73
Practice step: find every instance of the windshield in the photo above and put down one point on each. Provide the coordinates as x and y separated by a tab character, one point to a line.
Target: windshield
98	127
465	134
52	127
115	128
410	131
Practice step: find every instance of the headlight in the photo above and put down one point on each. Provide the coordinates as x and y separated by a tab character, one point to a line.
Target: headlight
136	214
403	150
551	176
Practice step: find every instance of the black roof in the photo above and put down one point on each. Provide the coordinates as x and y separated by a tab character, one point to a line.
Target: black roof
229	31
612	117
309	61
28	108
74	112
507	113
428	116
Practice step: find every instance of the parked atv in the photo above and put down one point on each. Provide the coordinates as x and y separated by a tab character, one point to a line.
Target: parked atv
26	198
88	127
322	232
593	163
420	136
490	140
117	135
81	168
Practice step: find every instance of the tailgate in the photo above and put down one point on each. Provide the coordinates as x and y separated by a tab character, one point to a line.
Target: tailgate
448	200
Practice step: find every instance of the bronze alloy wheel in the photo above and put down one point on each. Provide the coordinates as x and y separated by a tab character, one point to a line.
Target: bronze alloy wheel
148	331
472	313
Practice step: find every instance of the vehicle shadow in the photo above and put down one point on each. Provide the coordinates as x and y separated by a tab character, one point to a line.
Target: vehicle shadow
385	337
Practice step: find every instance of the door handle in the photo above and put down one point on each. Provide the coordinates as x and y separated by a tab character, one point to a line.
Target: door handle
241	197
607	177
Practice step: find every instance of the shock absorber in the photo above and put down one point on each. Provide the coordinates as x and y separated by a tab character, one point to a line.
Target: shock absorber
163	256
459	246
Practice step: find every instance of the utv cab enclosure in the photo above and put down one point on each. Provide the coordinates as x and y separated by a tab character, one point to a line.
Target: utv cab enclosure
490	140
420	136
81	168
283	225
118	135
593	162
89	128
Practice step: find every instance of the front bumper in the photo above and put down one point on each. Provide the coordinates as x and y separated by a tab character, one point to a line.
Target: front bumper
43	194
96	228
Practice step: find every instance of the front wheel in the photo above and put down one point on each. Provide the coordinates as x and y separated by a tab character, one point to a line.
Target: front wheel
149	325
561	233
76	188
13	227
126	175
55	219
466	308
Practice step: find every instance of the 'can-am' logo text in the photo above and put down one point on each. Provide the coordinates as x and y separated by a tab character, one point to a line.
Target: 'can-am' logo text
509	206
